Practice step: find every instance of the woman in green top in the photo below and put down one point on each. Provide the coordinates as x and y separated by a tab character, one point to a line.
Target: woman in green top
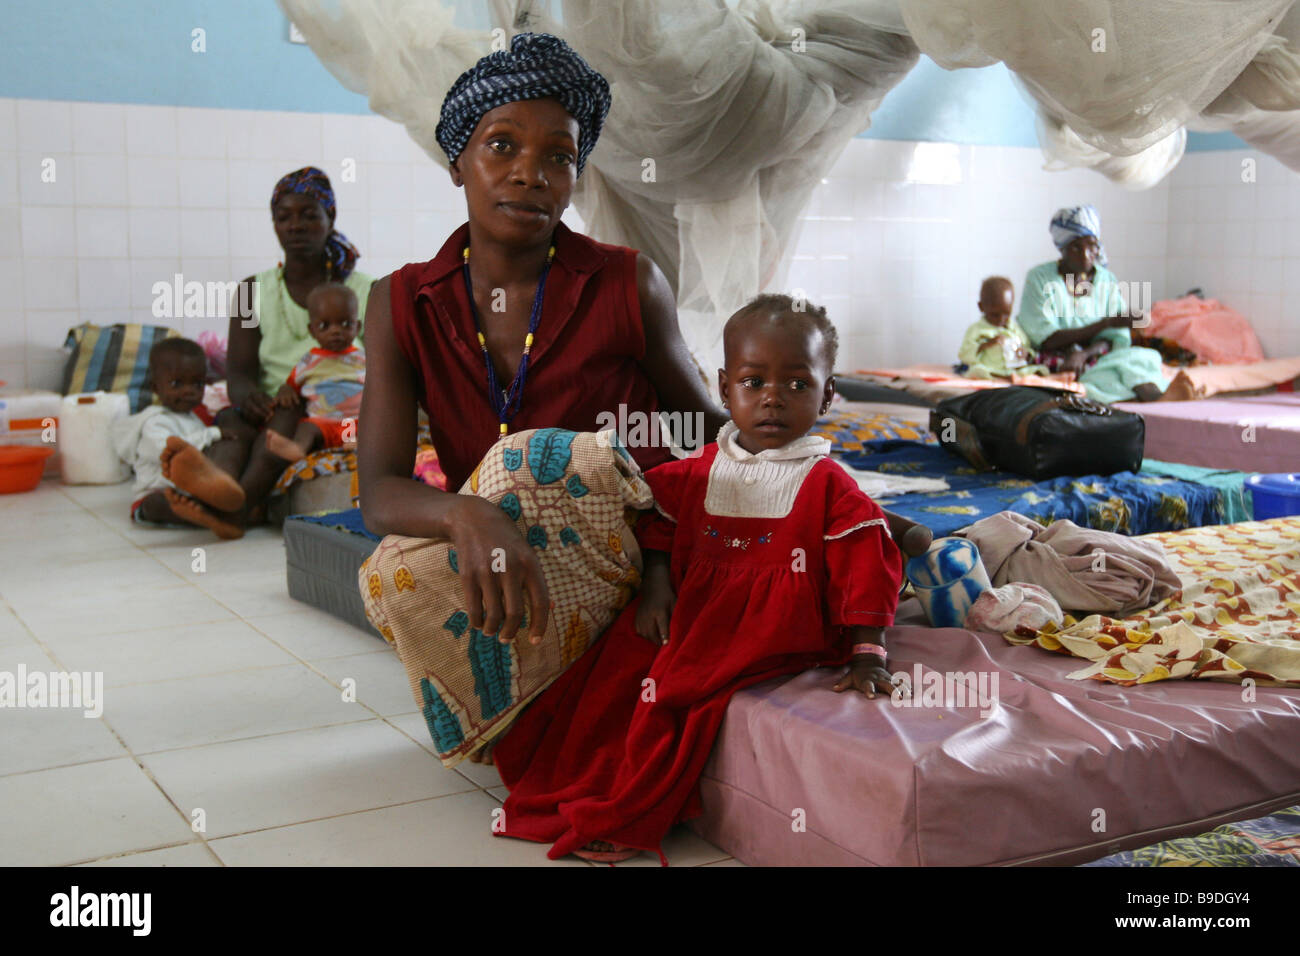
268	341
1075	308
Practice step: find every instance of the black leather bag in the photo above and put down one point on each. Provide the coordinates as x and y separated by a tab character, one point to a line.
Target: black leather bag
1039	432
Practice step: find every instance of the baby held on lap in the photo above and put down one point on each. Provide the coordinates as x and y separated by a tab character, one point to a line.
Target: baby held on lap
329	379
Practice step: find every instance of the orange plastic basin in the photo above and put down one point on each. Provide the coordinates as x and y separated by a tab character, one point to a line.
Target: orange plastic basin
21	467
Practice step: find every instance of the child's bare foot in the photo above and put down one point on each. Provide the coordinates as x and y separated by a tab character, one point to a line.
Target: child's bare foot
186	468
1182	389
187	509
282	447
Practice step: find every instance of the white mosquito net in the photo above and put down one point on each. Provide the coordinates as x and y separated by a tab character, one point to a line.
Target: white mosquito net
722	122
1116	82
725	116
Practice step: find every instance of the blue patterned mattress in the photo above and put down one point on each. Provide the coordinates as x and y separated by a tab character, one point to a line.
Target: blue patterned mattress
1160	497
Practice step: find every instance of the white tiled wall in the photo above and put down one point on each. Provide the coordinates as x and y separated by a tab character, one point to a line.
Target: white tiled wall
898	238
894	243
140	193
1240	239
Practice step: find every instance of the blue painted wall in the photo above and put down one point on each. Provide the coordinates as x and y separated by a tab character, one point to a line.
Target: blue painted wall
139	51
972	107
1205	142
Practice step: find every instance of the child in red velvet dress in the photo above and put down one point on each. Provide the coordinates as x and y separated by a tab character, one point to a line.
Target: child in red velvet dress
762	558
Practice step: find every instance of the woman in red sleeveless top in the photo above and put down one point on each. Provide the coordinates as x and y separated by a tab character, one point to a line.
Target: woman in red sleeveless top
587	355
516	323
517	128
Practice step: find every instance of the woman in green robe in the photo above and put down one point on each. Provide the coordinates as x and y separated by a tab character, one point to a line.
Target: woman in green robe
1075	309
266	344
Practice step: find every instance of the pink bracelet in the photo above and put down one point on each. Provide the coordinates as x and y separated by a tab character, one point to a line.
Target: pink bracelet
869	649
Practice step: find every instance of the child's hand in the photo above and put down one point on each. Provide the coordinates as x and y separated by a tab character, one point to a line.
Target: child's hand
258	408
1075	361
654	613
867	678
286	397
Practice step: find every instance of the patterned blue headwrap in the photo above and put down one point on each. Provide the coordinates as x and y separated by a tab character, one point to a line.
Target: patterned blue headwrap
537	65
1069	224
340	255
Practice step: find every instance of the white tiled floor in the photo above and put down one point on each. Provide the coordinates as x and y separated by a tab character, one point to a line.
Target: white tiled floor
225	738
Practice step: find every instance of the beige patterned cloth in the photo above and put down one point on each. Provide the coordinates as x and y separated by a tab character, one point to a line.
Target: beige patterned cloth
1237	617
569	494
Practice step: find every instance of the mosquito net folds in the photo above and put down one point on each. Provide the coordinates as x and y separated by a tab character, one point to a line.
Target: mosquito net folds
726	116
723	119
1115	82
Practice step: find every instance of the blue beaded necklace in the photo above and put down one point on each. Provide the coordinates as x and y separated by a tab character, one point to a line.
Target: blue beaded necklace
505	402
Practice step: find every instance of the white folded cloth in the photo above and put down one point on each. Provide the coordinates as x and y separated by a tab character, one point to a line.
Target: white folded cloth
877	484
1013	605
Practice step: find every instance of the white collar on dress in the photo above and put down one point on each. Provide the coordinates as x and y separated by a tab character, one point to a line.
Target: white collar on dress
805	447
765	485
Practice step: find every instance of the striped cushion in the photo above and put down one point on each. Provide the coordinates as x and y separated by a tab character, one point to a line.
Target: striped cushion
114	358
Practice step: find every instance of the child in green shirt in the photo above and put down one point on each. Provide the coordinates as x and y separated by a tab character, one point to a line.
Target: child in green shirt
996	346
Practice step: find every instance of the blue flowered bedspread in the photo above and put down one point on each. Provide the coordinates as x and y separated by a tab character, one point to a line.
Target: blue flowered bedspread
348	520
1272	840
1127	502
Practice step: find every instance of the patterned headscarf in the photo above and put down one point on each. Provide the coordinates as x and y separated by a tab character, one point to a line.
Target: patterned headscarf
1069	224
537	65
340	255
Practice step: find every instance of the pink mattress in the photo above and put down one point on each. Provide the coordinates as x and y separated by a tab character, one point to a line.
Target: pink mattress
801	775
1213	433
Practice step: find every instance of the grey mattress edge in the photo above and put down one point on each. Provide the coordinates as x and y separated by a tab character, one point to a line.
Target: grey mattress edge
321	566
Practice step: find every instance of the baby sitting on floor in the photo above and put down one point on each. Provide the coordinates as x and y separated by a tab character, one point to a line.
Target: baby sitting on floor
996	346
329	378
150	439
